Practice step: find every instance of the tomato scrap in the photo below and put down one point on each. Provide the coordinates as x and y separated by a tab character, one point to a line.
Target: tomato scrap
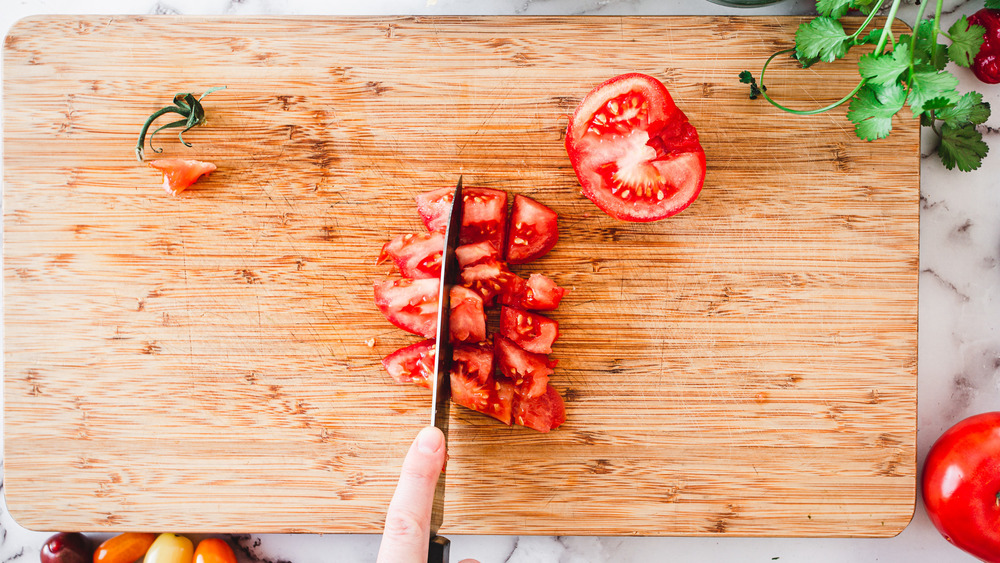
636	155
507	377
986	64
961	485
179	173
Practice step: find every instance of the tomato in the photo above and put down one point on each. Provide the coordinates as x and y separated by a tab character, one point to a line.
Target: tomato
124	548
476	253
484	213
179	174
986	65
474	386
635	153
66	547
412	306
412	364
543	413
213	550
532	231
961	485
528	371
530	331
170	548
537	293
416	255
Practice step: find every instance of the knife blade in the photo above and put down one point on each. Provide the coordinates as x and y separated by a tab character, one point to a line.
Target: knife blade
439	546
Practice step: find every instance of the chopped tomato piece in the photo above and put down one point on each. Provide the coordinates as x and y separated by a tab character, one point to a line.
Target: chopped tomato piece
476	253
416	255
531	331
637	156
529	372
532	231
537	293
543	413
474	386
179	174
412	364
412	306
484	215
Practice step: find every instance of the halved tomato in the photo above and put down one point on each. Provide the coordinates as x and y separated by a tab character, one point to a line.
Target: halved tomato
179	174
537	293
484	215
412	306
543	413
417	255
412	364
635	153
529	372
532	231
531	331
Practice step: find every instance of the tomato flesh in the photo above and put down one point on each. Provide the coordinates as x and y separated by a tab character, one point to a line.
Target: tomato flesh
532	231
537	293
484	213
636	155
412	306
543	413
531	331
179	174
529	372
412	364
416	255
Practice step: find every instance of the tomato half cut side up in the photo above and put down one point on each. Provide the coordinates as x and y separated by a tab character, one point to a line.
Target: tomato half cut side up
532	231
637	156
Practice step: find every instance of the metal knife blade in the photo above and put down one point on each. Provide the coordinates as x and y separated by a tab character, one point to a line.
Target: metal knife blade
441	389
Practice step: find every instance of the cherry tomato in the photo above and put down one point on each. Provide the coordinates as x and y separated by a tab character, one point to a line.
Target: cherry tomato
66	547
416	255
170	548
543	413
124	548
986	65
635	153
529	372
213	550
961	485
179	174
532	231
412	306
484	213
530	331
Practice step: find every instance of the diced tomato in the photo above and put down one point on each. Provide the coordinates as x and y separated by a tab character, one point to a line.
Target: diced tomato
476	388
532	231
416	255
537	293
543	413
484	215
473	361
531	331
179	174
412	306
528	371
412	364
476	253
637	156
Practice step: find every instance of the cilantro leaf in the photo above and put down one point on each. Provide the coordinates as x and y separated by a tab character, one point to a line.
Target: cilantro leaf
927	85
993	4
873	36
746	77
885	68
962	146
872	108
970	108
927	49
835	9
965	41
823	38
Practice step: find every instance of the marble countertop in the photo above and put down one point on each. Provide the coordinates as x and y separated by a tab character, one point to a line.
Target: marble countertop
959	313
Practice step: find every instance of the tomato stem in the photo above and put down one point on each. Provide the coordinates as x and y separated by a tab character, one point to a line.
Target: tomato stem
186	106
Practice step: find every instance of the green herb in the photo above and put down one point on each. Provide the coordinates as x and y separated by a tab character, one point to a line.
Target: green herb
184	104
907	70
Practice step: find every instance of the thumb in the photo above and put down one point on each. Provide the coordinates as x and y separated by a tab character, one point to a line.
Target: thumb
407	522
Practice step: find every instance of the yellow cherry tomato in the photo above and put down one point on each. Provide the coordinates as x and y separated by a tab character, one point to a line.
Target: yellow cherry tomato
214	550
124	548
170	548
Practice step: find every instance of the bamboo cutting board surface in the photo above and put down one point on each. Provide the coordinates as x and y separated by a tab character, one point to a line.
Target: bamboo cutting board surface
199	363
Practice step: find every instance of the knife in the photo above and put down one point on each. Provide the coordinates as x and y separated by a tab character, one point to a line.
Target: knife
439	546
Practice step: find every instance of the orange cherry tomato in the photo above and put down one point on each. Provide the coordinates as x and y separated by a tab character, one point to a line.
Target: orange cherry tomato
124	548
170	548
214	550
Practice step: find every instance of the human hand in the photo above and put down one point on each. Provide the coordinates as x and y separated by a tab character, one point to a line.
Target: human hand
408	520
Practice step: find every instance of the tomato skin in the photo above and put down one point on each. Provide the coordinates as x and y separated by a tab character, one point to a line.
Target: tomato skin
66	547
170	548
636	155
986	65
961	485
532	231
213	550
179	174
124	548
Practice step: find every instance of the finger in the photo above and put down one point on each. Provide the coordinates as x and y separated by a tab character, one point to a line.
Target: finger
468	561
407	522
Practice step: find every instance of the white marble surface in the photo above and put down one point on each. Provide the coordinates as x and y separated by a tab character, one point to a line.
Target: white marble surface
959	319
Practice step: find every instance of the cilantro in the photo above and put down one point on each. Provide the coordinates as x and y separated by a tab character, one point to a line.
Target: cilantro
823	38
965	41
872	109
928	87
747	78
885	68
962	146
993	4
969	108
833	8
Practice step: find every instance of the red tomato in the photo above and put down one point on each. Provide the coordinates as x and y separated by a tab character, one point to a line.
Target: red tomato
179	174
635	153
529	372
484	215
543	413
412	306
530	331
476	253
961	485
213	550
532	231
412	364
416	255
986	65
473	385
537	293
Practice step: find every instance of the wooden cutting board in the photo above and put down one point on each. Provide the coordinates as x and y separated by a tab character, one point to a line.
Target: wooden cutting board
199	363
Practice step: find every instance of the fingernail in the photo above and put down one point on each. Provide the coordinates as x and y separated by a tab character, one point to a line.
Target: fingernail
429	441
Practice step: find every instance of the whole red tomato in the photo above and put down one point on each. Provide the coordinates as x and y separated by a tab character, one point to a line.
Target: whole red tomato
986	65
961	485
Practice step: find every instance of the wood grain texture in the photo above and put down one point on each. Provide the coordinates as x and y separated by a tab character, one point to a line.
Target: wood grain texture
199	363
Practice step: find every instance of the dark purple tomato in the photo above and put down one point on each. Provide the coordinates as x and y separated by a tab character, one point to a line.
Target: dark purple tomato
67	548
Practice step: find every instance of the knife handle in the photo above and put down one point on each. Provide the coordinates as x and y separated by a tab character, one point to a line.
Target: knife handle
438	550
